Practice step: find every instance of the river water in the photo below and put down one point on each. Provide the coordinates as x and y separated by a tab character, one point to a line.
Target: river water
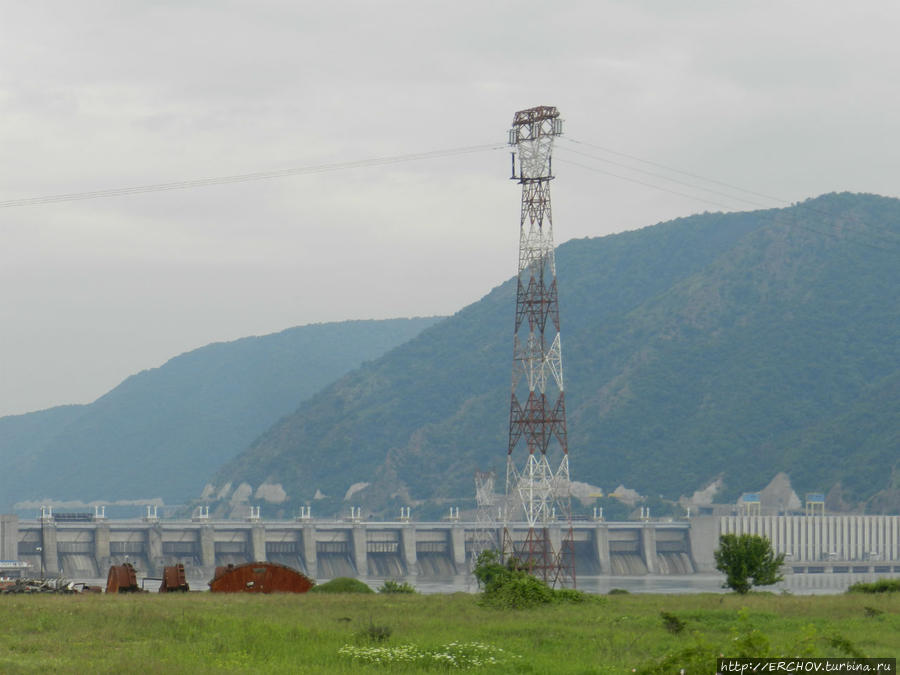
797	584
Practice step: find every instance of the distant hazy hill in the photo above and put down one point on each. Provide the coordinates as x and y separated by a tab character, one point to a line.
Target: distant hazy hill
720	345
162	432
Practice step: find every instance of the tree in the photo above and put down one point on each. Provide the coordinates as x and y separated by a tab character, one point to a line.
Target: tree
490	572
511	586
747	560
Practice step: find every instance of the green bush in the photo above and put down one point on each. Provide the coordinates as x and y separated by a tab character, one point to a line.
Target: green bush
509	586
391	586
520	592
490	572
880	586
342	585
374	633
512	586
672	623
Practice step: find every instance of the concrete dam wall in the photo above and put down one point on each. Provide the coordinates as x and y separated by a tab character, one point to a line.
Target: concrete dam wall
325	549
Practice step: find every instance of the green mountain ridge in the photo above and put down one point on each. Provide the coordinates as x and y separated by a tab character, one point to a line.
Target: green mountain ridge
728	346
161	432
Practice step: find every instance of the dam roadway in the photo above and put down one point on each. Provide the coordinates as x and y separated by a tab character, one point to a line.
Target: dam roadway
325	549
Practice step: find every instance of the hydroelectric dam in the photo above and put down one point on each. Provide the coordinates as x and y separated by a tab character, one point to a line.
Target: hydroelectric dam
324	549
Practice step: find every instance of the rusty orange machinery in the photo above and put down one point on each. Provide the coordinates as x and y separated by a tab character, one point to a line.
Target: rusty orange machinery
259	577
122	579
174	580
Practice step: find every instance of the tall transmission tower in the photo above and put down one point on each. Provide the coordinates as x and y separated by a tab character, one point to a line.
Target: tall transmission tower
537	487
485	535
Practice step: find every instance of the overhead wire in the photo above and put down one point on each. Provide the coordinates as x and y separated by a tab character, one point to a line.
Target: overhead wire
246	177
645	183
666	178
892	244
448	152
676	170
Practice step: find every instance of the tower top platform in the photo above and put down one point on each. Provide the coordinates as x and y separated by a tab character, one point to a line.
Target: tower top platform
536	114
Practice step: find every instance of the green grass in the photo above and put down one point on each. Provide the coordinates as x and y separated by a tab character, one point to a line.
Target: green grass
342	585
211	633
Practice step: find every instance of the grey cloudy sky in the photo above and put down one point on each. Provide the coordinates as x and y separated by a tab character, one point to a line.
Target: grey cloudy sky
789	99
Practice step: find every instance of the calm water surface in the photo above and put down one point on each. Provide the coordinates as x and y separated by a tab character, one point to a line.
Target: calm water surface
798	584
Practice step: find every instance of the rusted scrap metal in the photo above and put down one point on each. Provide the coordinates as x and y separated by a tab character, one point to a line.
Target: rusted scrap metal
122	579
82	587
55	585
174	579
259	577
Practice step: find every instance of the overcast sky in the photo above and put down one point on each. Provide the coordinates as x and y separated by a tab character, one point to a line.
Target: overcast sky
786	99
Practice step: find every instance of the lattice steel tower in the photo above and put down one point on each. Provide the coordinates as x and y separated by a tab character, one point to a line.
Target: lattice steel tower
484	536
537	485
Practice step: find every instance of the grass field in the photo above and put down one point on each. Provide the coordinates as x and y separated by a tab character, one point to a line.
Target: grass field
317	633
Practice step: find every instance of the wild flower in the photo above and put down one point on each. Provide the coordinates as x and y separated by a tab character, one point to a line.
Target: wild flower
455	655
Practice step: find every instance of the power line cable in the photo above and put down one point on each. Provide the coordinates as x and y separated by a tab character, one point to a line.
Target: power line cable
892	243
434	154
676	170
667	178
645	183
242	178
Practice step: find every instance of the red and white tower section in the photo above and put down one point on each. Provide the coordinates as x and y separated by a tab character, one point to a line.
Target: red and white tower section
537	469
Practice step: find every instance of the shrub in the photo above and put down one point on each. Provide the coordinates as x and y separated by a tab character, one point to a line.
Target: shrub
391	586
672	623
513	587
490	572
374	633
880	586
342	585
520	592
693	659
844	645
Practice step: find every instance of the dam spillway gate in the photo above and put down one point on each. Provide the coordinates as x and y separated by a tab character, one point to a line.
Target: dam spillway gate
327	549
324	549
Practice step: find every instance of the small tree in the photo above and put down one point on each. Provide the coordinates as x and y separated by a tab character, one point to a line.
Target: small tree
747	560
511	585
490	572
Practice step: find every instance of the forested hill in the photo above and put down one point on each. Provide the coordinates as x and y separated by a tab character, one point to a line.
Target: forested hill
728	346
161	432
